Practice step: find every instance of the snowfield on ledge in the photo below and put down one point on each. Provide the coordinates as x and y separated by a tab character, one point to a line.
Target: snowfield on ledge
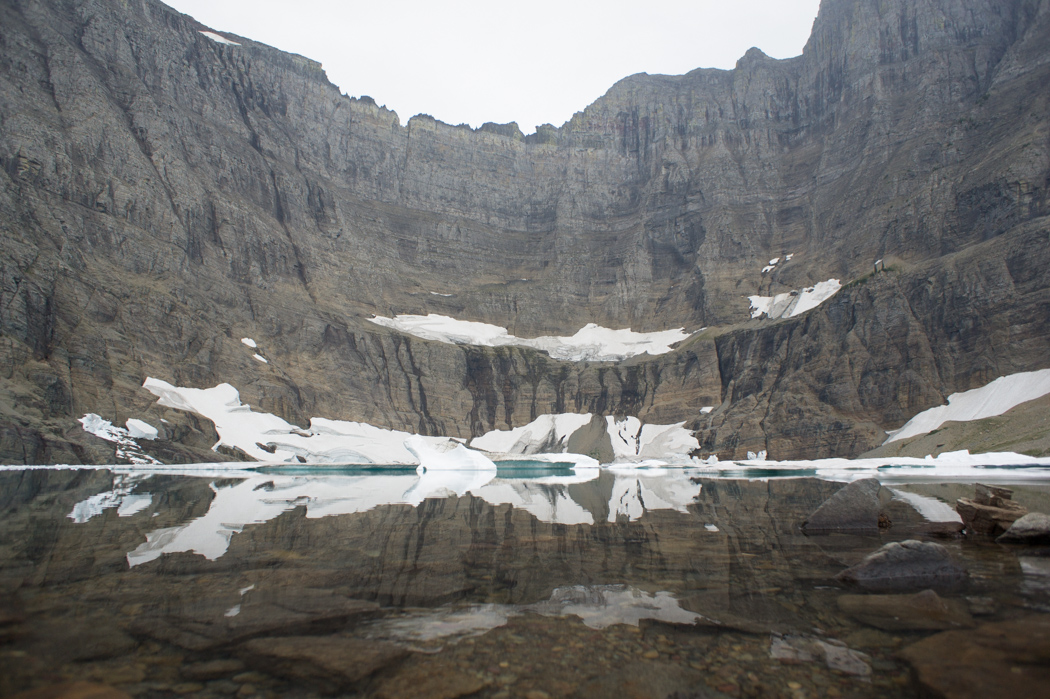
591	343
793	303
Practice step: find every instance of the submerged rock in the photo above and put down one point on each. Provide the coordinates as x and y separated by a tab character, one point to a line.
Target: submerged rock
1001	659
906	565
925	610
853	508
940	530
1033	528
212	669
431	680
794	650
331	662
74	690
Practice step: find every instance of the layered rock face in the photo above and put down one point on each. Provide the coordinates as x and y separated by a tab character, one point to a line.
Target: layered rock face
163	195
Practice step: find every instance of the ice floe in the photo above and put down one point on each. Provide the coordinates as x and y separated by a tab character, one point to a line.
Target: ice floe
590	343
793	303
955	465
995	398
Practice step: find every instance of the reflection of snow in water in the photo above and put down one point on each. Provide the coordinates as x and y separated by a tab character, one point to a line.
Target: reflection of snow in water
598	606
604	605
932	509
121	497
261	498
422	625
1036	572
636	492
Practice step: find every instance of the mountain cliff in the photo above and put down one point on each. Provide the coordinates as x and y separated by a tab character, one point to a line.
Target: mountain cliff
164	194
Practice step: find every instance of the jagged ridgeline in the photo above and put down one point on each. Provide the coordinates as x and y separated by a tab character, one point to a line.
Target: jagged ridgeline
166	192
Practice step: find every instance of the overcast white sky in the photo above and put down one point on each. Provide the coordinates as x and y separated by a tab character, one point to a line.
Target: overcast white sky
482	60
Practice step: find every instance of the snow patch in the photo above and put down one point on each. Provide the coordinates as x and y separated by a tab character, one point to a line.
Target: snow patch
547	433
139	429
633	441
219	39
793	303
250	342
127	448
590	343
268	438
259	358
995	398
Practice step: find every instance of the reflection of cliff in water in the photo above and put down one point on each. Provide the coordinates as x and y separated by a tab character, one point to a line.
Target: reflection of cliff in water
651	531
311	557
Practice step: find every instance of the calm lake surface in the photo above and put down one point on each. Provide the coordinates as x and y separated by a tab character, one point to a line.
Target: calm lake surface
542	582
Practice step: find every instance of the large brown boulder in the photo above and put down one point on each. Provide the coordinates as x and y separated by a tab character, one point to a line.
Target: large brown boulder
1002	659
991	511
